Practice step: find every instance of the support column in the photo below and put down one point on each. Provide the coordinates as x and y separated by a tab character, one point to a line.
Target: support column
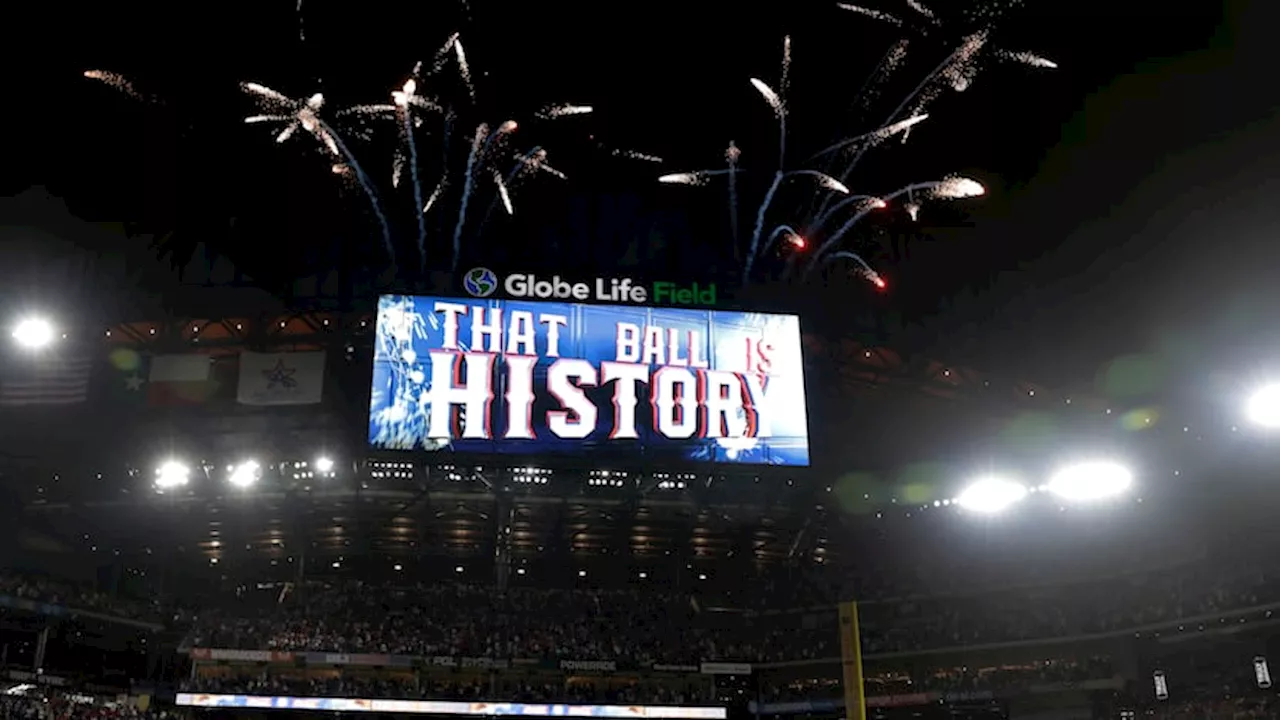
505	516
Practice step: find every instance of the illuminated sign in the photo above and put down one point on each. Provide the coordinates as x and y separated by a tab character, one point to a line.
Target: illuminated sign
519	377
482	282
446	707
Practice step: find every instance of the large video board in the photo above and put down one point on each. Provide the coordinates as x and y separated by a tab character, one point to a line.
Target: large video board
534	378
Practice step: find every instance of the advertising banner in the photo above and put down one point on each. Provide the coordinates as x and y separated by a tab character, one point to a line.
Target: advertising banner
530	378
228	655
442	707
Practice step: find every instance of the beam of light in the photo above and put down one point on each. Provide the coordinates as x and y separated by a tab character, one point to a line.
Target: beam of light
1263	407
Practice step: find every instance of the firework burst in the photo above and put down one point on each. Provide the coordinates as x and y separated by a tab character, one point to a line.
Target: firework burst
305	115
838	210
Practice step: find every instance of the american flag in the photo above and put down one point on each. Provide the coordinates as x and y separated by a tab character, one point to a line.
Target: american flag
44	380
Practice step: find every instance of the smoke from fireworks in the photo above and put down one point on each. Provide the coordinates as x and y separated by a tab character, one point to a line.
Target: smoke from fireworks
482	131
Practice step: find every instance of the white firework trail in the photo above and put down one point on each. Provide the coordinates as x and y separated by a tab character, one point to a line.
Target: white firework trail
558	111
864	202
874	14
864	269
482	131
1026	58
435	194
951	188
115	81
890	62
502	192
927	89
692	179
771	97
784	85
441	57
533	161
633	155
463	68
920	8
785	231
873	137
402	101
824	180
955	188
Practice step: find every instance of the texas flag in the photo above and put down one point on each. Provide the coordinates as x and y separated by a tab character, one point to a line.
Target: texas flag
281	378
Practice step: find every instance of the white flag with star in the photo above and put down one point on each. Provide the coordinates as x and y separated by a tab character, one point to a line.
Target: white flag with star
281	378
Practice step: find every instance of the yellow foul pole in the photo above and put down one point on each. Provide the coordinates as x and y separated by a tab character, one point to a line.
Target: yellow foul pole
855	703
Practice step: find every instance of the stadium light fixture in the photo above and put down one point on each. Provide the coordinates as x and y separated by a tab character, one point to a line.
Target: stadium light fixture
245	474
324	465
1090	481
991	495
1263	407
34	333
172	474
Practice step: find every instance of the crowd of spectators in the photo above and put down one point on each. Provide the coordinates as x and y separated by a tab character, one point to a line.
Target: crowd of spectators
57	706
54	591
641	627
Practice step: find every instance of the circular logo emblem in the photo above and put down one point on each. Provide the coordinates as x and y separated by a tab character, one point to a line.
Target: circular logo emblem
480	282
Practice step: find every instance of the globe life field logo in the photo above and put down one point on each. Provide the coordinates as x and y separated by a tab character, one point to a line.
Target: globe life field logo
482	282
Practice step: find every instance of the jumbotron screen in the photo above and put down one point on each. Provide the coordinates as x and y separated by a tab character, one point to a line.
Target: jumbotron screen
534	378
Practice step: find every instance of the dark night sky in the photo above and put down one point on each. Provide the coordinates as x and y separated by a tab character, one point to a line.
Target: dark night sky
1129	207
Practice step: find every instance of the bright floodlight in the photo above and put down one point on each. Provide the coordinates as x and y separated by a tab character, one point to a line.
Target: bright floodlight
1090	481
34	333
1263	407
244	474
172	474
324	465
991	495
